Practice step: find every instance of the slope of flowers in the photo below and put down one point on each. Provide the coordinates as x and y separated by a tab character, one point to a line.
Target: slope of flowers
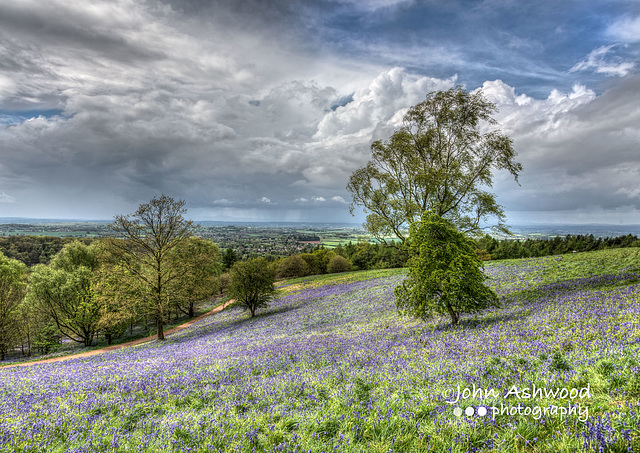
332	367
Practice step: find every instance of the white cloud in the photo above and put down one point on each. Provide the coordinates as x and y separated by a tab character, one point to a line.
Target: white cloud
578	150
265	200
318	199
374	5
597	60
378	104
5	198
626	29
339	199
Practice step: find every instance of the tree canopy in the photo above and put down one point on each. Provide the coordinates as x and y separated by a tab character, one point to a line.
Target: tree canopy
63	291
196	264
252	284
441	159
445	275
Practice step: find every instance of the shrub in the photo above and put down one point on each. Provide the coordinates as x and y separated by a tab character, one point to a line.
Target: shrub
293	266
338	264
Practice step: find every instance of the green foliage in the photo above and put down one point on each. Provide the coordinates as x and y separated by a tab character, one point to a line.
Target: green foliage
252	284
119	294
33	250
47	337
63	291
445	275
338	264
197	266
534	247
314	263
293	266
439	160
13	275
229	258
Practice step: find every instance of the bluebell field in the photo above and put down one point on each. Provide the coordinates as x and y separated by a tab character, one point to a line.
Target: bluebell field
331	366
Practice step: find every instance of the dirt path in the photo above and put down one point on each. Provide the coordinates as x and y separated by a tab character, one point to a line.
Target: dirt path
122	345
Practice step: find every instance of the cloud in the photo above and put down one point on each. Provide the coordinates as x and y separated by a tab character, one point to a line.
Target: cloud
339	199
626	29
597	60
5	198
265	200
578	150
318	199
374	5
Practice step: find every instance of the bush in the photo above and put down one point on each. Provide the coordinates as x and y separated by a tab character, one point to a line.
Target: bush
293	266
338	264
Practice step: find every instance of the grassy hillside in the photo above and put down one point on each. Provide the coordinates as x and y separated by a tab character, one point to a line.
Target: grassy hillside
330	366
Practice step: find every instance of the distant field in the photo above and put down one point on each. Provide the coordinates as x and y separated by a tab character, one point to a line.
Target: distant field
331	366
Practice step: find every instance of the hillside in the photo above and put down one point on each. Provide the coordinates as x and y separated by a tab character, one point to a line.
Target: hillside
330	366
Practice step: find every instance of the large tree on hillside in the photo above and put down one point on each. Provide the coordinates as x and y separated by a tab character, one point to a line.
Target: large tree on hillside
145	243
442	159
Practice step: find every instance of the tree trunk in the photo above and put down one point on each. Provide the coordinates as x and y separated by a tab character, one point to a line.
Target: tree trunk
453	314
160	326
109	338
191	311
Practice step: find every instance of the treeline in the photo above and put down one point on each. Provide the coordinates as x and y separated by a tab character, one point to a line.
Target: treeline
492	249
32	250
88	291
360	256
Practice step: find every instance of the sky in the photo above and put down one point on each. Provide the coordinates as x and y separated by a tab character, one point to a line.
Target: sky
261	110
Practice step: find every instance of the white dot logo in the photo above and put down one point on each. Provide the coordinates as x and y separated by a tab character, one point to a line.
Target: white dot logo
457	412
469	411
482	411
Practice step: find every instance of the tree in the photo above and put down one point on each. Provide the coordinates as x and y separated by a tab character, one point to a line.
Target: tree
197	267
338	264
229	258
118	293
252	284
13	275
293	266
441	159
445	274
149	237
63	291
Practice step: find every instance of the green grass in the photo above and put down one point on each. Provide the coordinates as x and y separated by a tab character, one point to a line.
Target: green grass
292	285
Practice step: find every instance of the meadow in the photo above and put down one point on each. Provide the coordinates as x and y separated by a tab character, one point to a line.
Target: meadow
331	366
